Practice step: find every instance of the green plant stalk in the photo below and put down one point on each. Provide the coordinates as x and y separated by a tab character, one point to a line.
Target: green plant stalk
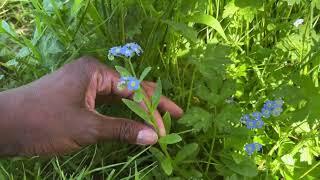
131	67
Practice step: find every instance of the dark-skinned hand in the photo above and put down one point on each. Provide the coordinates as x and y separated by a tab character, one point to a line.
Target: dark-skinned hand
56	114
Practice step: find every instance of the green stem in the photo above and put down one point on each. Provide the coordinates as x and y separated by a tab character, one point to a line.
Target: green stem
132	69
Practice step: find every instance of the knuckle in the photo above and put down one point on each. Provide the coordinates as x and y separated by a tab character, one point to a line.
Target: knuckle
126	131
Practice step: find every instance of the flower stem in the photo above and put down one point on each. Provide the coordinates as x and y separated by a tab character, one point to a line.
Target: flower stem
131	67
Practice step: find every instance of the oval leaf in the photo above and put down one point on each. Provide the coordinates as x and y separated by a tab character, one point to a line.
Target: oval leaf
167	122
155	99
186	151
144	73
133	106
170	139
166	166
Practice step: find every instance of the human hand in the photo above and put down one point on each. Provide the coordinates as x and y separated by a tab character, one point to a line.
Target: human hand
56	114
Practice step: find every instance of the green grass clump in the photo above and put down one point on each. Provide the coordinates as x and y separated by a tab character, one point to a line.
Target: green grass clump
218	59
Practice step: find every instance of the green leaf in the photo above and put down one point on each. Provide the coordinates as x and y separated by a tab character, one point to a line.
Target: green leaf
183	29
136	109
209	21
167	122
214	60
138	96
246	167
155	99
123	71
288	159
292	2
229	10
5	27
76	7
157	154
306	155
186	151
170	139
248	3
316	4
144	73
197	118
164	161
167	166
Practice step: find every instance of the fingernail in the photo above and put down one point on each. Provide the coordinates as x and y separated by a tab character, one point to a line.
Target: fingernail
147	136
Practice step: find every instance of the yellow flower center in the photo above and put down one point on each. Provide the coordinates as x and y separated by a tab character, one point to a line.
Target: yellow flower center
133	83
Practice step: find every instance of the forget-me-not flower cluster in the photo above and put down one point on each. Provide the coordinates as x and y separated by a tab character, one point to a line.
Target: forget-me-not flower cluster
254	120
250	148
131	83
128	51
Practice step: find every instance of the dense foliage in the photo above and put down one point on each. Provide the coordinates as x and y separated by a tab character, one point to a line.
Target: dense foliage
218	59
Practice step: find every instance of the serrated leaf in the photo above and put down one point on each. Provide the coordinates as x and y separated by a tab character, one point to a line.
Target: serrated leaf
209	21
145	73
123	71
133	106
186	151
183	29
246	167
170	139
248	3
229	10
214	60
167	122
197	118
155	99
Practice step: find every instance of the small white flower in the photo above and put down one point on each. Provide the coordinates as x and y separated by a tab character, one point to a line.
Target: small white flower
298	22
121	85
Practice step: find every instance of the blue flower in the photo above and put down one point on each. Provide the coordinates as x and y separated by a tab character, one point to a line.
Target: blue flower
257	115
134	47
266	112
125	51
278	103
276	111
257	146
133	84
251	124
244	118
250	148
115	51
269	105
259	124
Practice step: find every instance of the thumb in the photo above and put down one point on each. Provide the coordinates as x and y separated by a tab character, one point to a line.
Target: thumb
124	130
